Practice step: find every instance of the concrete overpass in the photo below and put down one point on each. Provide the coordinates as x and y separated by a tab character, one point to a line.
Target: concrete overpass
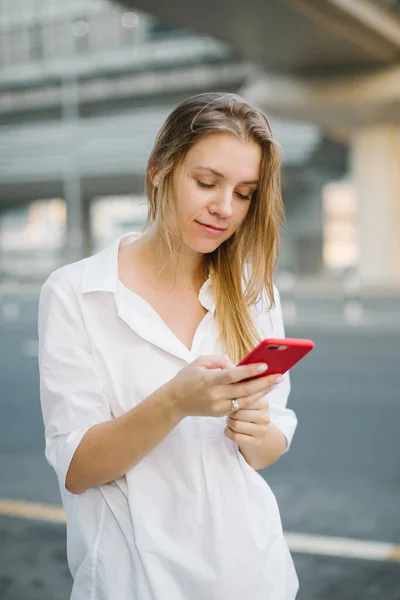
79	113
335	63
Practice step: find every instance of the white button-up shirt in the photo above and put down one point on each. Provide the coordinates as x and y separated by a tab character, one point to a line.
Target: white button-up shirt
193	520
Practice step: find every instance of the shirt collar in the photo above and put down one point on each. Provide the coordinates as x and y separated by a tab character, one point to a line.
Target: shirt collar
101	273
206	295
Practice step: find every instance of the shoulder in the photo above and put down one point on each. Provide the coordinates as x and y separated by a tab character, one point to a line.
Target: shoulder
97	273
60	298
68	278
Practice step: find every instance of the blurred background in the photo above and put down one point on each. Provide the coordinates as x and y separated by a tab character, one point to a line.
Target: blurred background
84	88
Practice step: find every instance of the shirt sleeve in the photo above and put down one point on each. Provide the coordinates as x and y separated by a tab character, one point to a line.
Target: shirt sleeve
71	393
270	325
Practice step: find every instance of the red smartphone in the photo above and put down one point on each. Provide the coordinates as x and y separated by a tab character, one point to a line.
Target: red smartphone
279	354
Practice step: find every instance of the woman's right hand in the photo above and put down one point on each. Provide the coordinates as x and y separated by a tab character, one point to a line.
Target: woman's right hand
207	386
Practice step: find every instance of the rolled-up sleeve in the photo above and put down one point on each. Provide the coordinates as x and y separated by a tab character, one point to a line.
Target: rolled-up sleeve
270	325
71	394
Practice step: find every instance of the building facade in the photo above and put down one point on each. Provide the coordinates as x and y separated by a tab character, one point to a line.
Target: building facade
84	87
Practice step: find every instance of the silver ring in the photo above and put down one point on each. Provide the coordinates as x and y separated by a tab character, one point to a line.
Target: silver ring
235	405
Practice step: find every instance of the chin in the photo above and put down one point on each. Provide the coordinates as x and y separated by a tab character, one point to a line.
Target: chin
203	246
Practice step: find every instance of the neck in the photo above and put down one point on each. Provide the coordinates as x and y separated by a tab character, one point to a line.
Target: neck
181	270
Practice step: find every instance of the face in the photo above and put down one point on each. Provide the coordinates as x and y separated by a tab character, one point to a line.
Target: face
214	187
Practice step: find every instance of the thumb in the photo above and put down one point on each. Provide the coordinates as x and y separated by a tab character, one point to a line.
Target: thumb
214	361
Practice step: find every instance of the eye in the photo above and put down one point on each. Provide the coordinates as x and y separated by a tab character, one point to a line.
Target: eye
209	186
249	195
204	185
242	197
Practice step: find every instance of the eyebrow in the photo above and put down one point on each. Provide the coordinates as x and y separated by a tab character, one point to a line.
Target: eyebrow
217	174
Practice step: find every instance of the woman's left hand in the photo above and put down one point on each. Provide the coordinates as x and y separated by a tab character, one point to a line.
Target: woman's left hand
248	427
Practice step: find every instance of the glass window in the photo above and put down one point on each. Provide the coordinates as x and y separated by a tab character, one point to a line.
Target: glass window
36	43
3	49
3	11
80	29
14	46
104	31
13	7
54	39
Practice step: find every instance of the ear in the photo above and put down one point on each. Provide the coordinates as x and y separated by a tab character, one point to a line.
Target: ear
153	175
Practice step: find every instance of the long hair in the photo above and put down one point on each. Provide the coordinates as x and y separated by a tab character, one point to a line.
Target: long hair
242	266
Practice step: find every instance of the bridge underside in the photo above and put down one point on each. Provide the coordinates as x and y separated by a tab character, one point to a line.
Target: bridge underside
297	37
331	62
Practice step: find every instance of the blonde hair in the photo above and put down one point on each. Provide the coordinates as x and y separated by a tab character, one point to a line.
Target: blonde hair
251	253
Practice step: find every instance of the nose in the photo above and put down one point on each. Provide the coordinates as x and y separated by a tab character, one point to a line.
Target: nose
222	204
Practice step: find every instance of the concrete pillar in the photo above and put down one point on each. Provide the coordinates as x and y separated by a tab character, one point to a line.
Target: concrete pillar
72	184
303	236
75	218
375	164
78	243
87	242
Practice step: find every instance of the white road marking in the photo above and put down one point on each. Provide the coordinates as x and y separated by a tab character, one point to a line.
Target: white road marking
30	348
31	510
342	547
297	542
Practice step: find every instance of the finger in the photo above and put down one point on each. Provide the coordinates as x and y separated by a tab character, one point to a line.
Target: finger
247	428
242	439
214	361
261	385
255	401
251	416
236	374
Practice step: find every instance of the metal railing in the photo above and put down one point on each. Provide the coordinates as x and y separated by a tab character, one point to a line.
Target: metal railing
112	144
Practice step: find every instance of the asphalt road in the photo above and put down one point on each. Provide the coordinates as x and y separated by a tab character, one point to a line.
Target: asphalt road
340	478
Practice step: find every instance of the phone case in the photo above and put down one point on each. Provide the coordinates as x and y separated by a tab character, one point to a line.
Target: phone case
279	354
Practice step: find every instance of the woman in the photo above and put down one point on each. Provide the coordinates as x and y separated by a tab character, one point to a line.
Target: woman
153	434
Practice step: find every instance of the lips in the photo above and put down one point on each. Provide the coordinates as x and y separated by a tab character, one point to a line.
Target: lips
212	226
